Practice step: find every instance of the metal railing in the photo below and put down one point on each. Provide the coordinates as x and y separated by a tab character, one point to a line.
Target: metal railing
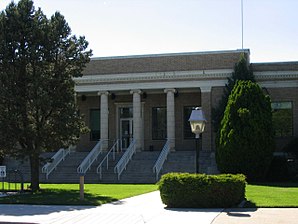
121	165
115	148
161	159
90	158
56	160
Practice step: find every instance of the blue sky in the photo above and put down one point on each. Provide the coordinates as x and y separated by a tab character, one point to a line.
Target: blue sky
133	27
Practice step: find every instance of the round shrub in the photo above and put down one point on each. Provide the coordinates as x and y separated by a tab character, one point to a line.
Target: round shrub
184	190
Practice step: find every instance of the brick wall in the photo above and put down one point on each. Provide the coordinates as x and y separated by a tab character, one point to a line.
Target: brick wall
164	63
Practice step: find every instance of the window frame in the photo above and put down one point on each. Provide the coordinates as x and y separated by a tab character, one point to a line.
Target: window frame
93	133
291	132
155	124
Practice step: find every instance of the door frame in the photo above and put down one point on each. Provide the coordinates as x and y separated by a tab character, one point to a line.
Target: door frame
130	131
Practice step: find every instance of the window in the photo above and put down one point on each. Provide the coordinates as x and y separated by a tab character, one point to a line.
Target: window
94	124
126	112
159	123
186	126
282	116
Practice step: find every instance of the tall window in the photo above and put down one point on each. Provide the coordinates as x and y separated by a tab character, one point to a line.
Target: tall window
282	116
94	124
187	133
159	123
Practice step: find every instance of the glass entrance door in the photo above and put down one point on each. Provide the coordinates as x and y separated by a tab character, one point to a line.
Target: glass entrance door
126	132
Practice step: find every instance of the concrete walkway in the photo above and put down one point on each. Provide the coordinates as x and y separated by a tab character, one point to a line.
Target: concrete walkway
146	208
258	216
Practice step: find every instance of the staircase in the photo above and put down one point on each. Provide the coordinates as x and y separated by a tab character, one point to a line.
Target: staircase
208	163
180	161
24	166
185	161
139	170
66	171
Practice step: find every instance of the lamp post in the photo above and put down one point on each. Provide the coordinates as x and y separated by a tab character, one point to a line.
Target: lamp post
197	122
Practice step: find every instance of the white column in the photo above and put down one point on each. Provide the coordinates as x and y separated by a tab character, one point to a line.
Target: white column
104	119
137	118
171	117
206	107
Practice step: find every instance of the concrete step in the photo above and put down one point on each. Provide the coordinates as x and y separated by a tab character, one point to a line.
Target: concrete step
139	170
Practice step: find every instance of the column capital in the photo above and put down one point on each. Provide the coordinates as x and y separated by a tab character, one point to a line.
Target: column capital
138	91
170	90
205	89
99	93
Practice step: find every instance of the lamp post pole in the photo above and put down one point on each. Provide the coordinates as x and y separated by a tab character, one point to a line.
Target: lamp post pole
197	123
197	156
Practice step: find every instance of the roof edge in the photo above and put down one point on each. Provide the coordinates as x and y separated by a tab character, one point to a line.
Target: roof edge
173	54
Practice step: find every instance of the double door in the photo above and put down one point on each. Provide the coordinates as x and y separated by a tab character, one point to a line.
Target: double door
126	132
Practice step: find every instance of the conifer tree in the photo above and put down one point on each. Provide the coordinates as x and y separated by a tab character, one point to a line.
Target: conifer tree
246	141
242	71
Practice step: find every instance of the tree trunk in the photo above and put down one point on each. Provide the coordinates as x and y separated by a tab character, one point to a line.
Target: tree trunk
34	163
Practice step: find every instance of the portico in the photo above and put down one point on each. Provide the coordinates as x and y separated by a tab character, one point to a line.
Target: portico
150	100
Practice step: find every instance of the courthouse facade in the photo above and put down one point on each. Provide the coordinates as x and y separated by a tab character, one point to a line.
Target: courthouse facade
149	98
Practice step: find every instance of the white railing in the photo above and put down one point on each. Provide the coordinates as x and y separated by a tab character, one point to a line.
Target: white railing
121	165
161	159
90	158
55	160
115	148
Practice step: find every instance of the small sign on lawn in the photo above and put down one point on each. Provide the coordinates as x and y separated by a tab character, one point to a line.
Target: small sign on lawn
2	171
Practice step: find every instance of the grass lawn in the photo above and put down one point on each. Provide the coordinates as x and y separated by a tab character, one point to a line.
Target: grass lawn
272	195
68	194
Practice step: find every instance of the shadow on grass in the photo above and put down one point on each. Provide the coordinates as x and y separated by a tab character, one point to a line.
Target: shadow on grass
276	184
250	204
57	197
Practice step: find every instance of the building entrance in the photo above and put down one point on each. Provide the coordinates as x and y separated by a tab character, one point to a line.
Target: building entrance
126	126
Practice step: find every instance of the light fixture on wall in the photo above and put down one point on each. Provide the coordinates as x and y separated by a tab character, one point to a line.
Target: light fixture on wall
176	94
144	95
113	96
83	97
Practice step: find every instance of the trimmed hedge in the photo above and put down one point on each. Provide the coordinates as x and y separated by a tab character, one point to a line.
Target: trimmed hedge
184	190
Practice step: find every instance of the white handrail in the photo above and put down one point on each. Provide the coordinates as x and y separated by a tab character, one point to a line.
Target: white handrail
90	158
161	159
121	165
112	151
55	160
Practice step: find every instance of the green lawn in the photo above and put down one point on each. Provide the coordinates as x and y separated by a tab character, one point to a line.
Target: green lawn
258	195
272	195
68	194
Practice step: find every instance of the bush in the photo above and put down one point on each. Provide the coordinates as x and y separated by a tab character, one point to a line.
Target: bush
283	168
184	190
292	147
278	170
245	142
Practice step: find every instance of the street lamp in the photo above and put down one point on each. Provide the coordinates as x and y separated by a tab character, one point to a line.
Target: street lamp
197	122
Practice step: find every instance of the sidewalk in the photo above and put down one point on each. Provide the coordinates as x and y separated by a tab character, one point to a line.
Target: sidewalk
258	216
146	208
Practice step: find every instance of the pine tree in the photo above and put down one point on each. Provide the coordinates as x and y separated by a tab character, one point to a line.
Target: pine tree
242	71
246	141
38	61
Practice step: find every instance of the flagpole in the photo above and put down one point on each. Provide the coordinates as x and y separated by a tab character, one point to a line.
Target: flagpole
242	22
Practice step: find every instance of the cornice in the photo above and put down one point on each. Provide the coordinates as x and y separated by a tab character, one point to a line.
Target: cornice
276	75
154	76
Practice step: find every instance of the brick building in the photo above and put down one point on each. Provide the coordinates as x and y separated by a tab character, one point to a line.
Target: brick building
149	98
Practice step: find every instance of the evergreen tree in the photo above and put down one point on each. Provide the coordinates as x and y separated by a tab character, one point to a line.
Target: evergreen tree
38	61
245	142
241	72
